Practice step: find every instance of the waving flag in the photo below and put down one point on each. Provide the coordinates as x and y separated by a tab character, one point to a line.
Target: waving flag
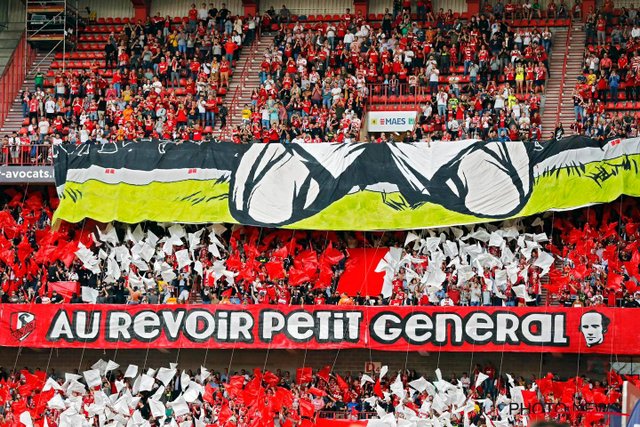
360	273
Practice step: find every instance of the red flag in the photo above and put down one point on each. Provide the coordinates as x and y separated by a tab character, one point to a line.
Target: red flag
377	389
316	391
252	390
325	278
545	385
613	397
304	375
208	394
530	398
275	270
224	414
4	393
285	396
306	408
332	255
613	378
298	277
307	260
65	289
282	252
599	398
324	373
630	286
360	275
271	378
234	263
610	230
587	394
342	383
614	280
24	250
235	385
68	253
632	265
592	418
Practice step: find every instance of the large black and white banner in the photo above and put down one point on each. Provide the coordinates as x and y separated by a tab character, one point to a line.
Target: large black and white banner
341	186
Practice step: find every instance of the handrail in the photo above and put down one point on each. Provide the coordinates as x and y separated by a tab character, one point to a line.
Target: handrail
384	91
243	76
343	415
564	75
26	155
13	77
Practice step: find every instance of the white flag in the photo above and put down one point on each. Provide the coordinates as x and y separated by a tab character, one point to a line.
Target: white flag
183	258
165	375
92	377
89	295
157	408
25	418
481	378
132	371
56	402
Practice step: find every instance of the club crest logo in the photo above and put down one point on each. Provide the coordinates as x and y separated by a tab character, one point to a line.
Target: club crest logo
22	325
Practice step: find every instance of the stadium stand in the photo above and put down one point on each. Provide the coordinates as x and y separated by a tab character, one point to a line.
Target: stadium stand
249	266
605	95
287	399
309	83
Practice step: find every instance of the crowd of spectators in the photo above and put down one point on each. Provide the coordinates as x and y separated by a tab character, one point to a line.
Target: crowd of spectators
158	78
480	77
473	77
585	257
162	396
611	75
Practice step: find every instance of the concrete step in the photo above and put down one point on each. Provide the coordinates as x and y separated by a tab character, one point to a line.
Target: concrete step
11	34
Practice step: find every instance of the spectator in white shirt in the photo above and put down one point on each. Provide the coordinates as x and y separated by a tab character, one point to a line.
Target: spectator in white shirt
446	301
43	126
50	108
348	39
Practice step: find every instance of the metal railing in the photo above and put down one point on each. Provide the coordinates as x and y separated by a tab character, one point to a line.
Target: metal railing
14	75
564	77
343	415
400	95
233	105
26	155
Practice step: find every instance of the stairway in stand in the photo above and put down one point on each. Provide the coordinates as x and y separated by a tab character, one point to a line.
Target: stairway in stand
14	119
563	80
246	78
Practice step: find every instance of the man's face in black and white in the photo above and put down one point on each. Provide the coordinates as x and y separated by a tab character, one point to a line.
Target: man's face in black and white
592	327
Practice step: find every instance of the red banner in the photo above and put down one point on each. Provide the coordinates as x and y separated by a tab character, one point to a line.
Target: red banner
460	329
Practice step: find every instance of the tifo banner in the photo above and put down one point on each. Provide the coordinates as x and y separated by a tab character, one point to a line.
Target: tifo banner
459	329
340	186
391	121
